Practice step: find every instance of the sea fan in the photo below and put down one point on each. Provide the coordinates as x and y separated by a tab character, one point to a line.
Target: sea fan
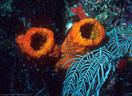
122	38
86	76
117	44
43	92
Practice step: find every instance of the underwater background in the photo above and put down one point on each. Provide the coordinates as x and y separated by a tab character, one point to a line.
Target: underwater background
22	75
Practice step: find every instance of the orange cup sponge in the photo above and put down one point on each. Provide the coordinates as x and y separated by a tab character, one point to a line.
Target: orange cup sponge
87	32
84	34
38	42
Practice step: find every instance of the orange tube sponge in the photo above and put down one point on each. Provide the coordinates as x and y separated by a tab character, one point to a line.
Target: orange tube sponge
88	32
84	34
62	61
38	42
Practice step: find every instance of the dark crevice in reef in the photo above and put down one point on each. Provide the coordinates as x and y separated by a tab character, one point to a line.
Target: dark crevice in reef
86	30
37	40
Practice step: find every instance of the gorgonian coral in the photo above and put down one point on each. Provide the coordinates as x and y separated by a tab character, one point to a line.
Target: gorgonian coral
38	42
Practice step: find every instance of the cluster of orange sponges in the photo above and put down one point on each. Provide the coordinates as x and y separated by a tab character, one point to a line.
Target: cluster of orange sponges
38	42
84	34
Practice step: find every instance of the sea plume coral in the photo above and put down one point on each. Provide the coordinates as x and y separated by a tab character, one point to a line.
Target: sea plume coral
38	42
